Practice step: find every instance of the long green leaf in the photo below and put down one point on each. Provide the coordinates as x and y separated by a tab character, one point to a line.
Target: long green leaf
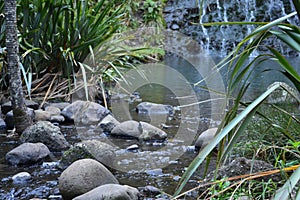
206	151
286	190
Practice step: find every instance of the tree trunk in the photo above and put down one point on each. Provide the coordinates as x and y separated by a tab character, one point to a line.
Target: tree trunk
21	117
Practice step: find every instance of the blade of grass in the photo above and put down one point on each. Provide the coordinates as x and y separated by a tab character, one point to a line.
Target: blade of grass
205	152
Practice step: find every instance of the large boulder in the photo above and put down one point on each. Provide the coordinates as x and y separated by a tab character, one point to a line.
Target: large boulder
85	113
47	133
153	108
95	149
138	130
205	138
111	192
6	107
83	176
27	153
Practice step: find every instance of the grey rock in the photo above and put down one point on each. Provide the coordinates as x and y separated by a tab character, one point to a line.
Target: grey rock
21	178
27	153
57	118
153	108
175	27
108	123
94	149
132	147
3	126
85	113
205	138
129	129
41	115
83	176
9	118
6	107
47	133
150	132
60	105
53	110
138	130
112	192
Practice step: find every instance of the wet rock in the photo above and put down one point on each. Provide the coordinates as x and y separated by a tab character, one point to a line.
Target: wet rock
41	115
133	147
153	108
3	126
130	129
83	176
52	110
9	118
175	27
47	133
112	191
57	118
205	138
6	107
21	178
94	149
138	130
108	123
60	105
150	191
85	113
27	153
150	132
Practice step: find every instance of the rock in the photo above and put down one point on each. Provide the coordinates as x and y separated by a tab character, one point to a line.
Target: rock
27	153
153	108
47	133
128	129
3	126
107	124
41	115
150	191
6	107
205	138
175	27
83	176
138	130
113	192
85	113
9	118
57	118
151	132
52	110
21	178
133	147
60	105
95	149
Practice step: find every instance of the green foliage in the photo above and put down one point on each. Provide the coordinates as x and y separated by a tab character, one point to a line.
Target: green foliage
152	11
236	122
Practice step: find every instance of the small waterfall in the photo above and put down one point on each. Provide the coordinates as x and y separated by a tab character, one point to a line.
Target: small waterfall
220	40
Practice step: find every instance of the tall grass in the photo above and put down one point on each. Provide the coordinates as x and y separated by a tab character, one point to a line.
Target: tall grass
235	122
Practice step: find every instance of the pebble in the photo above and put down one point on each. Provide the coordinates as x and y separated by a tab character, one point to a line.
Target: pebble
21	178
